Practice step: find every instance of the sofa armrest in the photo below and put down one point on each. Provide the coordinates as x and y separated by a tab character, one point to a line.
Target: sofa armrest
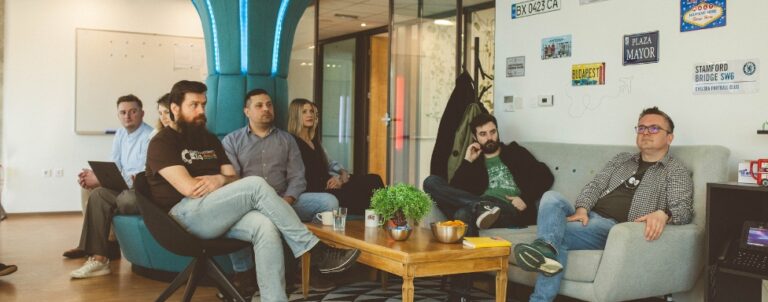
633	267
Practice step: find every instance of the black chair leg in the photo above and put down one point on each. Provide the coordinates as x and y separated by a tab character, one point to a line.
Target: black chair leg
213	271
180	279
194	278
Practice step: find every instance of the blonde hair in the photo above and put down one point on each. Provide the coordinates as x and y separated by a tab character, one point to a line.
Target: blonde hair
295	125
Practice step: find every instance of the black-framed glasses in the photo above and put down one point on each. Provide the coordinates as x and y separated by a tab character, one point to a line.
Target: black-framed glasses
652	129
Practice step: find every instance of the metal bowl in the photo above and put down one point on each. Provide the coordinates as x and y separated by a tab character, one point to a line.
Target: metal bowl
399	233
448	234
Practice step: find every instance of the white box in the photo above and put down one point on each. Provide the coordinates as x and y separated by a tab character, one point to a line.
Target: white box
744	176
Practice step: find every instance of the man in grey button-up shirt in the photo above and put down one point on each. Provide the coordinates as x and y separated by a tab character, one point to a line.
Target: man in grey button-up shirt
261	149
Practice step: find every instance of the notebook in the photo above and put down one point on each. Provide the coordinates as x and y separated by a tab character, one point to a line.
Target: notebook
479	242
109	175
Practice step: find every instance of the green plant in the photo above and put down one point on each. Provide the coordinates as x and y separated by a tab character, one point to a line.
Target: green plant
400	202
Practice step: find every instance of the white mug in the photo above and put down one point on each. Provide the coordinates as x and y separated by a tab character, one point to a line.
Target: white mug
371	218
325	217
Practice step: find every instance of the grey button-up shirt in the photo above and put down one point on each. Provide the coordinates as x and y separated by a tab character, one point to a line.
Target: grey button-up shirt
275	157
666	185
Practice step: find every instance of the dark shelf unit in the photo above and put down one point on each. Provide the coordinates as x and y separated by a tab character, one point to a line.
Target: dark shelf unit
762	131
729	204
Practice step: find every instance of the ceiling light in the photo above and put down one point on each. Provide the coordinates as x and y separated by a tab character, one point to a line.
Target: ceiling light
443	22
363	25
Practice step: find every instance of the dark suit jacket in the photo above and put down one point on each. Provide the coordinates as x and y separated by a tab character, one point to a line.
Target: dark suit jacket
463	95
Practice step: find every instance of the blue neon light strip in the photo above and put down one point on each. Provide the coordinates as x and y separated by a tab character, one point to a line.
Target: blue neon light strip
244	36
278	31
215	37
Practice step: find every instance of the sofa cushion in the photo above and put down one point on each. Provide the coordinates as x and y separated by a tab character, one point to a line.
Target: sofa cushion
582	265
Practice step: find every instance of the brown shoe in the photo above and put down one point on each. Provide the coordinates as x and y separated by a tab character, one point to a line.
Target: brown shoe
75	253
7	269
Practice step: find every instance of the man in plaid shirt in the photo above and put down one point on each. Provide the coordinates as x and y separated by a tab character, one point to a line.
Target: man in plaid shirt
650	187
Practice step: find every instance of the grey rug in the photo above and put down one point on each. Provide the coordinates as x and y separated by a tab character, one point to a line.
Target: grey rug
425	289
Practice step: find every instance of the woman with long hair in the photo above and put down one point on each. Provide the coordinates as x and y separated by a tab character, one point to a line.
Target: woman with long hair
164	109
322	174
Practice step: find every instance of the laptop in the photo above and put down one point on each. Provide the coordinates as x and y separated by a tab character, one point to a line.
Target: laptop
109	175
752	253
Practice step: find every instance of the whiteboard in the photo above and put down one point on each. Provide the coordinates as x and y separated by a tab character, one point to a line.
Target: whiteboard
112	63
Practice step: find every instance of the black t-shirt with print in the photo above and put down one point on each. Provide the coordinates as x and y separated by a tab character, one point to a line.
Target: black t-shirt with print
200	156
617	203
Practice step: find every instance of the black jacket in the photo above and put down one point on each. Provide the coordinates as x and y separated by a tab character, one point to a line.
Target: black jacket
532	177
463	94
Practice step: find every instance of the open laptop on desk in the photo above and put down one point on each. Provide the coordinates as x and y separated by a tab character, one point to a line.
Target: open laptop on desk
109	175
752	252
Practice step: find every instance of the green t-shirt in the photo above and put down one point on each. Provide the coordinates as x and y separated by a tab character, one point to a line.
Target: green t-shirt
617	203
500	181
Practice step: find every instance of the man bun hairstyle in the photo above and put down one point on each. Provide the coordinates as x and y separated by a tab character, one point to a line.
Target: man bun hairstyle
482	119
655	110
181	88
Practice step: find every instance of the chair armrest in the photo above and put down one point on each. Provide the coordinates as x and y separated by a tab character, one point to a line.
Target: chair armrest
632	267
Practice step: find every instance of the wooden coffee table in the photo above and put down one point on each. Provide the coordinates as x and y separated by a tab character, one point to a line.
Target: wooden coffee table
419	256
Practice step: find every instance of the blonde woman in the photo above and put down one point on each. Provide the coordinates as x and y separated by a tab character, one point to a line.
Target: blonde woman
324	174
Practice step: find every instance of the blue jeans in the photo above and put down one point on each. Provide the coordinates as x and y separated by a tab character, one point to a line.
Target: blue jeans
250	210
565	236
310	203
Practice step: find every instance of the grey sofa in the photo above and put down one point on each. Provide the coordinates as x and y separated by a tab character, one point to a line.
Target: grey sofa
629	267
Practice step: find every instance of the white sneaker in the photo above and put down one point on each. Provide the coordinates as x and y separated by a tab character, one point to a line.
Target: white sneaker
91	268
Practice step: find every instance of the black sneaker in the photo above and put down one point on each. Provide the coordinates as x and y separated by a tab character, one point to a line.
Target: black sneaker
487	216
333	260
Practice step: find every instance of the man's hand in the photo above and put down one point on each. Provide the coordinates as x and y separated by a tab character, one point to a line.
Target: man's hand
289	199
207	184
517	202
654	224
87	179
581	215
344	176
333	183
473	152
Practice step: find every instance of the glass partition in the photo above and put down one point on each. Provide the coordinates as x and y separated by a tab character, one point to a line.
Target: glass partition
422	75
338	105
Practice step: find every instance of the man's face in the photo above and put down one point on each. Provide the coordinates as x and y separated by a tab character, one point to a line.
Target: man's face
647	141
192	110
488	137
259	110
130	115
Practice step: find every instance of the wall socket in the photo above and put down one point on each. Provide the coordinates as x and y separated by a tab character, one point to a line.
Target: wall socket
47	173
546	100
59	172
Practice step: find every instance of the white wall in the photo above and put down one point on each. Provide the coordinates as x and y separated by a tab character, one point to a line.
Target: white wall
606	114
38	110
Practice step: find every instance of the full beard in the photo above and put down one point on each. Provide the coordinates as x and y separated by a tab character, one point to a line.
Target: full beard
194	131
490	146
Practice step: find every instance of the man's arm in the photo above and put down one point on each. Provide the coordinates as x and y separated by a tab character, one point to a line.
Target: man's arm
297	184
195	187
229	148
680	196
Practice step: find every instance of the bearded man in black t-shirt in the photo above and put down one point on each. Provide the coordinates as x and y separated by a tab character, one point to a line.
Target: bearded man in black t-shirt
190	176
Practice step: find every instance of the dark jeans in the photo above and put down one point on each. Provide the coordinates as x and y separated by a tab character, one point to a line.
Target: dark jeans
462	205
356	194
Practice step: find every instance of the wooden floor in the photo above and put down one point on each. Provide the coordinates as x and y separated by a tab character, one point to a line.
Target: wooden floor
35	243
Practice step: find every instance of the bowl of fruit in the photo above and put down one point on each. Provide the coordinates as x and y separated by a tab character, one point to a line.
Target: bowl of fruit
450	231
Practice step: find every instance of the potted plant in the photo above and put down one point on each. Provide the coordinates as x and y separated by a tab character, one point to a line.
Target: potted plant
401	202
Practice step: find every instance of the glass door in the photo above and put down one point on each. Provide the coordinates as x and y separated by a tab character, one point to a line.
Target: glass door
338	101
422	75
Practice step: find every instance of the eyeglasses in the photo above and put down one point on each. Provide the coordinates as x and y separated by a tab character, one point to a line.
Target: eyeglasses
652	129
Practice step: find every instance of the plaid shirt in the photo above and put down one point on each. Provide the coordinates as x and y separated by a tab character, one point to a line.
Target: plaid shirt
666	185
